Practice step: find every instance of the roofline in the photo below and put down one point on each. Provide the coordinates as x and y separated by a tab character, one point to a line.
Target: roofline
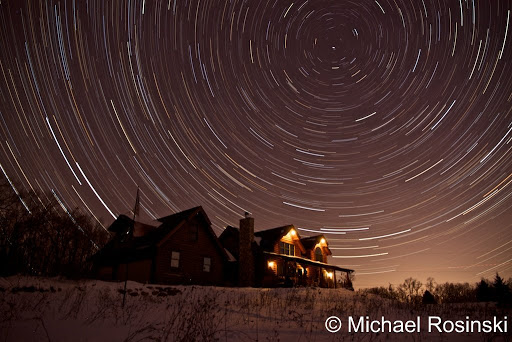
194	212
286	226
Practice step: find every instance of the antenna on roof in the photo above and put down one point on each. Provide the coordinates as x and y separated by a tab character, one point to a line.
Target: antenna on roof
130	235
136	209
135	212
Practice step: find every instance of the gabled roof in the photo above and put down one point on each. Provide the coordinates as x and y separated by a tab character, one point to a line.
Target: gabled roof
268	238
274	234
141	229
174	219
147	238
230	231
312	241
171	223
121	224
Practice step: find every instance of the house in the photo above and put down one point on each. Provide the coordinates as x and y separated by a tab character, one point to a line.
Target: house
182	249
279	256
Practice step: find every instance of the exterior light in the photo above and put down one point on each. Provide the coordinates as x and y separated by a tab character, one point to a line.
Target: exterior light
322	240
329	275
271	264
293	232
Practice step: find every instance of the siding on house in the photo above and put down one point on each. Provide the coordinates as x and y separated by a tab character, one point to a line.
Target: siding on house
147	256
139	270
193	241
105	273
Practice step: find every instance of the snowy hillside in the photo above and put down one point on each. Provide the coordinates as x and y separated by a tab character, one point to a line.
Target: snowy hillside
41	309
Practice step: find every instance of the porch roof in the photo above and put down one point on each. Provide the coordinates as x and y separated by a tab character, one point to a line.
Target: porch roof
305	261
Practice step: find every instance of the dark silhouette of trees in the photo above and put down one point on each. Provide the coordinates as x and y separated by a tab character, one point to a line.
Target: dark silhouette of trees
498	291
430	285
483	291
455	293
428	298
39	237
409	290
347	281
384	292
413	292
501	291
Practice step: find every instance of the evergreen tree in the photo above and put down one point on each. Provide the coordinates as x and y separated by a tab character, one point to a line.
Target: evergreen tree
428	298
483	291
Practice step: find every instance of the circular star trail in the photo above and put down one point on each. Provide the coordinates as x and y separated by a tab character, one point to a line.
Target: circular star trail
384	125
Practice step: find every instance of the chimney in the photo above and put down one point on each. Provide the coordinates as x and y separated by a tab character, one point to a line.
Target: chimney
246	260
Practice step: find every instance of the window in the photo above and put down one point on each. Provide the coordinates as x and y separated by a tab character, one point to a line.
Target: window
318	255
175	259
207	263
286	248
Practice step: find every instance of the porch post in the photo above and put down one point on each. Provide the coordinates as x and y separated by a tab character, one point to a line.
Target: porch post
334	272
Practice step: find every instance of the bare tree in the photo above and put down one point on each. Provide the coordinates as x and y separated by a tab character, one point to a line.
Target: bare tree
38	236
409	290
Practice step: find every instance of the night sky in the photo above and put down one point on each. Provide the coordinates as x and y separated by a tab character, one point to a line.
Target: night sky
385	125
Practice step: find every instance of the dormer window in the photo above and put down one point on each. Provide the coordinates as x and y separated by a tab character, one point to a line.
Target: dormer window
286	248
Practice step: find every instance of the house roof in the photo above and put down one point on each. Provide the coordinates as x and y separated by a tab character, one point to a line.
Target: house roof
230	231
267	238
274	234
121	224
176	218
230	240
312	241
146	238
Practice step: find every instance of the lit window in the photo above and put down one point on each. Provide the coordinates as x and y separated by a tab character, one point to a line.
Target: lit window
286	248
175	259
207	262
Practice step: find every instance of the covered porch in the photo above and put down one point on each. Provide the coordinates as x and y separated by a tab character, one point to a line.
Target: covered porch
289	271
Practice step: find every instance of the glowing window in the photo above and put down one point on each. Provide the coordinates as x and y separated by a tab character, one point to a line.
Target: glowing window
286	248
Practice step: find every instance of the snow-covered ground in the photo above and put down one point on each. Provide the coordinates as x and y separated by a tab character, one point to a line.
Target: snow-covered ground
43	309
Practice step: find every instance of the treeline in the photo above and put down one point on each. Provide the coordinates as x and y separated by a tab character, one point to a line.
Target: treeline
39	237
413	291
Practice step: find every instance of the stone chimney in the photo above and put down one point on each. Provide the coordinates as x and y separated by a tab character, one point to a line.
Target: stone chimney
246	261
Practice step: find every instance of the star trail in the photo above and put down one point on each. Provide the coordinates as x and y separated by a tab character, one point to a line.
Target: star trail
384	125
